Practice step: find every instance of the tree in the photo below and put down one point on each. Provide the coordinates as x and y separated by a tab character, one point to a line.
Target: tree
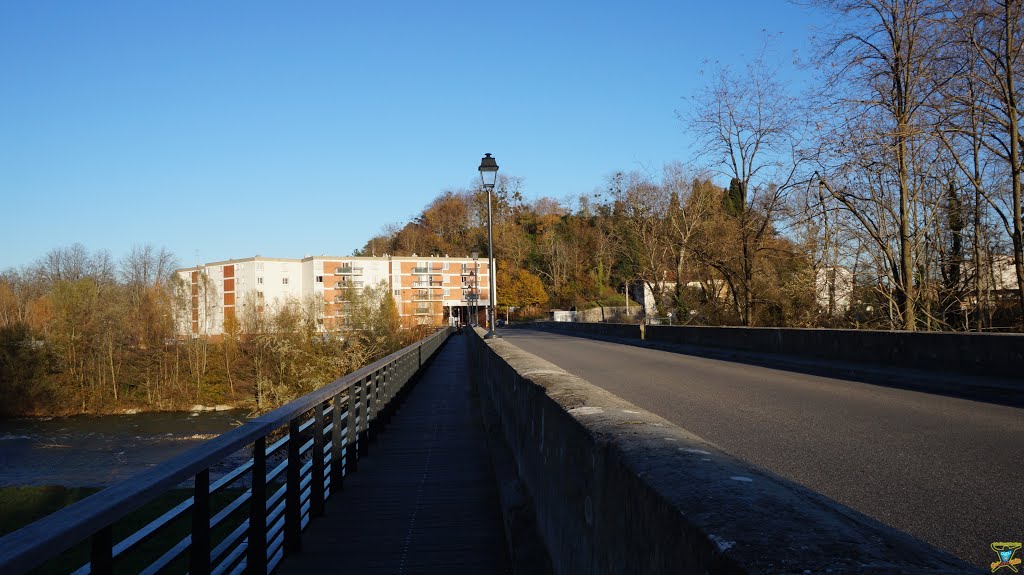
748	130
519	288
880	77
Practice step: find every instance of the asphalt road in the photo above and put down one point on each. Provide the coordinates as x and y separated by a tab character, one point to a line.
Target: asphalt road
948	471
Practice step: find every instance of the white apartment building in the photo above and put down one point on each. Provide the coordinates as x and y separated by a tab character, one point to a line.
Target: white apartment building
427	290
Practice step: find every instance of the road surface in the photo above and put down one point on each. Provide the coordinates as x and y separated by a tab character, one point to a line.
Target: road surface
948	471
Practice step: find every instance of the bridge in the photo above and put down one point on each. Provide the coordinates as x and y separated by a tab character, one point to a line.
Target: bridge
627	450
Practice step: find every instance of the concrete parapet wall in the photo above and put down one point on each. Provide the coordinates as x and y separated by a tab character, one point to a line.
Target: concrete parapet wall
994	355
617	489
628	330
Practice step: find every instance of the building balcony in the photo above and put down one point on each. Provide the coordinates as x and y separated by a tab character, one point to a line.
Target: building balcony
348	284
348	271
423	311
424	271
427	284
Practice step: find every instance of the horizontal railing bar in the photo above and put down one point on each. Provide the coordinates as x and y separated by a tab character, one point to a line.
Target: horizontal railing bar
230	508
305	446
277	528
274	514
169	556
240	568
305	424
230	477
272	564
234	537
277	470
304	521
150	529
35	543
230	561
275	498
304	470
305	481
273	447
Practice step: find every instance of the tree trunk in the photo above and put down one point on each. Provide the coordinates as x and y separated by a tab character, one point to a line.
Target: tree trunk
1015	167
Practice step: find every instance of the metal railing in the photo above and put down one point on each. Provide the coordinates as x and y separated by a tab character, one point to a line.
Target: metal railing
324	434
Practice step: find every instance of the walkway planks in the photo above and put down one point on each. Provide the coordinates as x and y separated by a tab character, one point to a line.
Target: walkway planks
425	499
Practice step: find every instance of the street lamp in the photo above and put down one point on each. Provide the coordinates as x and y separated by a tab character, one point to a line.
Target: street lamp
488	175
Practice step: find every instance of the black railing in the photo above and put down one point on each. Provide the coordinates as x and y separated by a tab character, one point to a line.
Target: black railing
322	436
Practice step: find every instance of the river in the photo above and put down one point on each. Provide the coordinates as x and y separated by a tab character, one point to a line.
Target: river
97	451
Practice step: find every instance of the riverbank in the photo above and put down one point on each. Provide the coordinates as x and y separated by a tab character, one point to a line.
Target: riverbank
134	409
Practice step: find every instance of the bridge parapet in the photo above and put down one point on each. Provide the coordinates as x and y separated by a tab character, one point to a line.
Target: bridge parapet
998	355
617	489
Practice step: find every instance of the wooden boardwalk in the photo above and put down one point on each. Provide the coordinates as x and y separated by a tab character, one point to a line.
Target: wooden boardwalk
425	499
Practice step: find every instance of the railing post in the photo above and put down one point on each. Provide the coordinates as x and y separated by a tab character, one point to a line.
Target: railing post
293	496
101	556
337	467
199	552
372	425
351	452
256	553
387	395
316	482
364	431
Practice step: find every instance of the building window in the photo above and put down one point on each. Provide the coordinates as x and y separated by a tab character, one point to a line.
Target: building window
398	292
259	280
319	279
259	295
446	292
259	266
284	281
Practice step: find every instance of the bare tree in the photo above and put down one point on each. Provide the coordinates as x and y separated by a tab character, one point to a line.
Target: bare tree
880	74
748	129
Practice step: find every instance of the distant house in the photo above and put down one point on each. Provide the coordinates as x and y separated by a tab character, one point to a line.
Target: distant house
833	287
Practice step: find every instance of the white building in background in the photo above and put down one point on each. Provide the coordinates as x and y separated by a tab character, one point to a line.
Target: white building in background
833	288
427	290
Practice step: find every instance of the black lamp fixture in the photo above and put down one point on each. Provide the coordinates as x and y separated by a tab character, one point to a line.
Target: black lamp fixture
488	171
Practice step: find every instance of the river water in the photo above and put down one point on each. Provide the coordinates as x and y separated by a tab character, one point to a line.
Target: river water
97	451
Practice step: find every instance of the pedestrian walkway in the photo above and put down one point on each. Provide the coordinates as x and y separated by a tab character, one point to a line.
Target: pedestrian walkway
425	499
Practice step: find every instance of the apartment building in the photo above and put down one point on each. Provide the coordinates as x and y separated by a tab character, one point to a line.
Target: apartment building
427	290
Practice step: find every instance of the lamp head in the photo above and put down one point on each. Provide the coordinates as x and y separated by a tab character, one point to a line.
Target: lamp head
488	171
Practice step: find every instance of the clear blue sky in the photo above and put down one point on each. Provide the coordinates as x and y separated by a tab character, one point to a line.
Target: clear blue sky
293	128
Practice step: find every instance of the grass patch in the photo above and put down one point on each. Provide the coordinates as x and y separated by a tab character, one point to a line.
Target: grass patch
23	505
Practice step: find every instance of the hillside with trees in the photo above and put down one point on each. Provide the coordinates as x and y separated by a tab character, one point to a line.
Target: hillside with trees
899	168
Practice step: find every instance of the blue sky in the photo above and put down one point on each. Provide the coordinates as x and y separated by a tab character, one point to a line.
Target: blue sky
287	129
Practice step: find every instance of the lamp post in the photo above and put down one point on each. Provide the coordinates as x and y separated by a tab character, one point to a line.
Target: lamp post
488	175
